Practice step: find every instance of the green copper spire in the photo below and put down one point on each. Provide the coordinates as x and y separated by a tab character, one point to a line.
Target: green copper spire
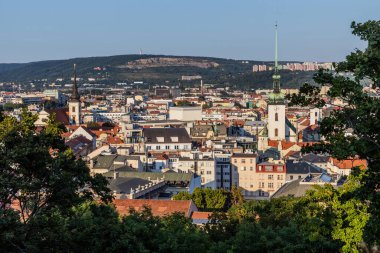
276	96
276	75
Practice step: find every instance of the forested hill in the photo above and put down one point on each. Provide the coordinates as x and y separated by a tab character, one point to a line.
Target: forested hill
158	69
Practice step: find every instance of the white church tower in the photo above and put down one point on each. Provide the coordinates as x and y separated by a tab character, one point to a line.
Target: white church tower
74	103
315	116
276	105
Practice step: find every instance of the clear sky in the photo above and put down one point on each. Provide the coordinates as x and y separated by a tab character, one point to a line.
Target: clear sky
319	30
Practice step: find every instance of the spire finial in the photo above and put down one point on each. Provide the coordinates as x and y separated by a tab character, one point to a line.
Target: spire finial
75	94
276	49
276	75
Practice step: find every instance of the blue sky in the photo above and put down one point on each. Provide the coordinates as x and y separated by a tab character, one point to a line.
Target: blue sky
239	29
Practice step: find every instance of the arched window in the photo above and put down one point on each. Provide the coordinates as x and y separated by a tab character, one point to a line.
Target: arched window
276	132
276	116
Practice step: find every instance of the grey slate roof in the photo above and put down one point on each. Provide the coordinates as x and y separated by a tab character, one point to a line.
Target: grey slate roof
104	161
313	158
295	189
178	177
292	189
151	135
124	184
294	167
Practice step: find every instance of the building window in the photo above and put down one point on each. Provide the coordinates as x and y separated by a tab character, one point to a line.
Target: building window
276	132
251	168
270	185
158	147
167	147
176	147
316	114
276	116
270	177
242	160
209	172
268	168
291	177
279	177
261	184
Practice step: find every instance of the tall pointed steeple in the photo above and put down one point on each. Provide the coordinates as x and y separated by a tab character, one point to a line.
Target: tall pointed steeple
75	94
276	96
276	75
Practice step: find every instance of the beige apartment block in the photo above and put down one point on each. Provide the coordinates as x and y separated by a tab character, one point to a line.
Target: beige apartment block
244	173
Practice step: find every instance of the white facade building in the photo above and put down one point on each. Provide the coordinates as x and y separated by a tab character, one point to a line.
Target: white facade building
185	113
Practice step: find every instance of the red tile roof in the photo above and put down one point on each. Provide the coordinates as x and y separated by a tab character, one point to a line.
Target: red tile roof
61	115
158	207
201	215
349	163
273	143
287	144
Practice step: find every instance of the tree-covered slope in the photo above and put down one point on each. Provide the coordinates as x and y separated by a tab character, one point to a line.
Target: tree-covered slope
152	69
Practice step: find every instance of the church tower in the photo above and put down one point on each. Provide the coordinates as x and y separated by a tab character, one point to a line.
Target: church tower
276	104
74	103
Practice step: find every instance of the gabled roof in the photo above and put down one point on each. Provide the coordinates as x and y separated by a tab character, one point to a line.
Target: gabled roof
124	184
294	167
313	158
61	115
158	207
287	144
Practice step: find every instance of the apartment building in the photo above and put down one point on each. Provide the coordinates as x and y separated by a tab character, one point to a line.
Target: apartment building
243	167
269	177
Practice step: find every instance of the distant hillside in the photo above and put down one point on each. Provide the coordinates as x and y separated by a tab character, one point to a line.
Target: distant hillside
153	69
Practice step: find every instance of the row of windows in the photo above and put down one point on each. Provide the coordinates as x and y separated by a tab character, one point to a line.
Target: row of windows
270	168
243	160
270	185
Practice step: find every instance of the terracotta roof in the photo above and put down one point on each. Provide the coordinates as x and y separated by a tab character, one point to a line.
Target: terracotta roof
287	144
305	123
158	207
349	163
61	115
161	156
201	215
273	143
114	140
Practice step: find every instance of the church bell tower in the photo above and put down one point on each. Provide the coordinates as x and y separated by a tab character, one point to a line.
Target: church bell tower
74	103
276	104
